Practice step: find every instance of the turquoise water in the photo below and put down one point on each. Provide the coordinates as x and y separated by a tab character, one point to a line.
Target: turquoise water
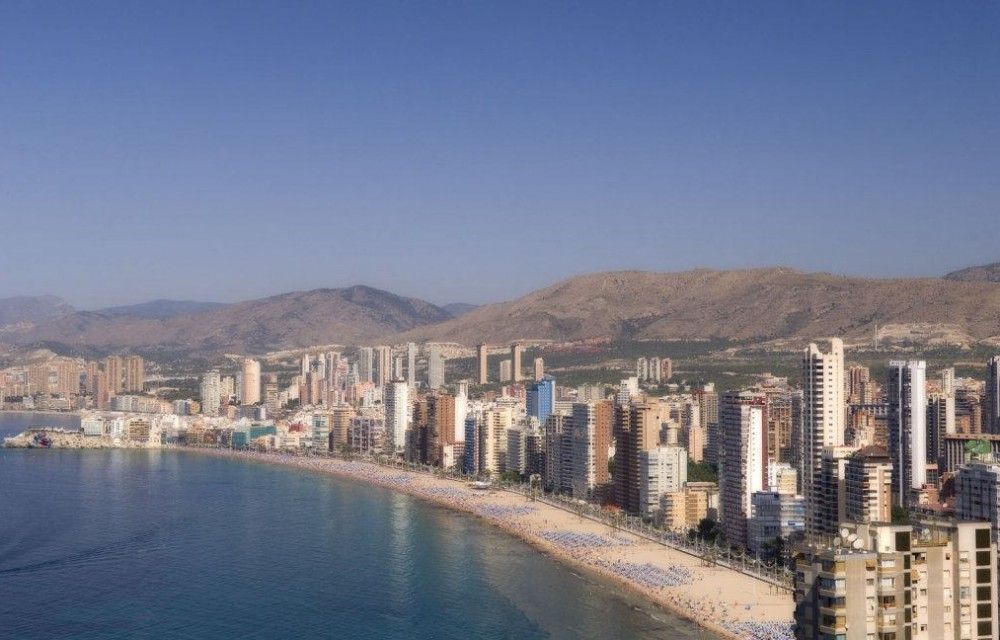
148	544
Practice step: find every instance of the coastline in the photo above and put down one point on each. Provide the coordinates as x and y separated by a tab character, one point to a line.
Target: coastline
738	601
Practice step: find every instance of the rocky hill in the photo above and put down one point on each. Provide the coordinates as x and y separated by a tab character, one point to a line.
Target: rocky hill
323	316
762	304
981	273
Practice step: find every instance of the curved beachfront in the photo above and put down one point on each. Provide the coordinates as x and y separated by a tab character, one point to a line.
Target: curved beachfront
725	602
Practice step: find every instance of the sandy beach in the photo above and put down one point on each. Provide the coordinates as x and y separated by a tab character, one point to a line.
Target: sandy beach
724	602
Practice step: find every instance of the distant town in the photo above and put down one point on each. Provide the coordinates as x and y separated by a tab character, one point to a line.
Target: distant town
874	501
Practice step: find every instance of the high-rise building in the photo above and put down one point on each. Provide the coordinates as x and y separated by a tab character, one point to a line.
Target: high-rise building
743	459
636	429
383	361
666	369
397	416
113	367
642	369
435	367
270	394
991	397
590	430
505	370
135	374
708	410
662	469
251	382
411	364
932	581
539	367
517	373
654	370
541	399
830	490
940	424
868	486
559	452
366	364
907	397
493	440
774	515
822	420
211	393
482	363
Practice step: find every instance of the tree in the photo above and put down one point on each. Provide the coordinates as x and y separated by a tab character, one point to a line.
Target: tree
701	472
900	515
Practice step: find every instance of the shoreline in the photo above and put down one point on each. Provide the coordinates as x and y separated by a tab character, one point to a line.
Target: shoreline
532	521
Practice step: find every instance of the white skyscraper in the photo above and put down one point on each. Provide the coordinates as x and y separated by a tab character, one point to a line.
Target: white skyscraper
366	367
822	420
411	363
435	367
251	381
211	392
397	415
906	393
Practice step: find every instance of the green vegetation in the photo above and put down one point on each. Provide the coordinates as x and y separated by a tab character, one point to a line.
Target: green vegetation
900	515
701	472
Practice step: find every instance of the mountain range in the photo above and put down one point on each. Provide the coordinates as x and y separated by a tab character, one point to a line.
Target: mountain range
753	304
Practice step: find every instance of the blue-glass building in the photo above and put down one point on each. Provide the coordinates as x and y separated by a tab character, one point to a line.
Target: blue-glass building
542	398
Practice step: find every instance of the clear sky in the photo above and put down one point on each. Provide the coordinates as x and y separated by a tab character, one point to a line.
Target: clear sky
473	151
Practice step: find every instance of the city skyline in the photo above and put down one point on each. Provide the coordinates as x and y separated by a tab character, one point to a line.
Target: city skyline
416	151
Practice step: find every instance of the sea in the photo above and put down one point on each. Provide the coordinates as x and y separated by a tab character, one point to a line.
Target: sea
114	544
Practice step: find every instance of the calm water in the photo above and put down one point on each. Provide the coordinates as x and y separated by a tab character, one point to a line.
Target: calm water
118	544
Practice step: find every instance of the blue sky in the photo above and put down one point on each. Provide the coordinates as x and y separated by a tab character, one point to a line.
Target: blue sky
474	151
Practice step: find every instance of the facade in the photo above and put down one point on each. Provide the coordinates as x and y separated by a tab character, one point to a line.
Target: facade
907	397
539	369
934	581
250	391
743	459
822	419
662	469
774	515
590	430
991	397
868	486
516	350
435	367
397	416
482	363
383	363
541	399
636	429
211	393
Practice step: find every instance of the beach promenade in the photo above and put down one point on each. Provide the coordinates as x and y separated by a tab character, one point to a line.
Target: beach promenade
725	602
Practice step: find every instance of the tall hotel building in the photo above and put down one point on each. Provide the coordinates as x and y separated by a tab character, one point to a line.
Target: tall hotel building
515	362
822	420
991	397
397	416
482	362
743	459
251	381
906	393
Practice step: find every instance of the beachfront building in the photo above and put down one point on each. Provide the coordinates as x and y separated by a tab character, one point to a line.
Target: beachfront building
743	460
493	440
397	416
662	469
932	581
821	423
558	475
774	515
636	429
590	435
